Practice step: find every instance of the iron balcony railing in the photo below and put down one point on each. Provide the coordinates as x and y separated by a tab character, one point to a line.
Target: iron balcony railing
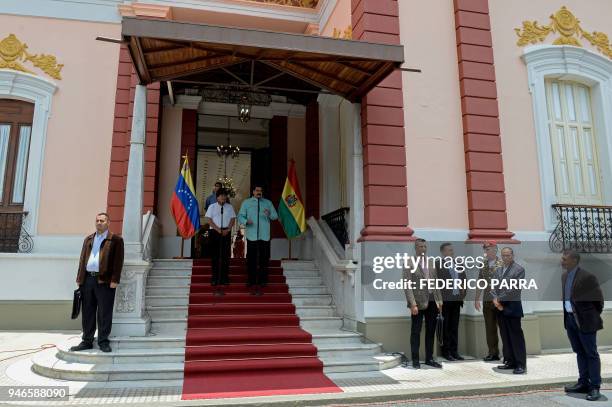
13	236
583	228
338	224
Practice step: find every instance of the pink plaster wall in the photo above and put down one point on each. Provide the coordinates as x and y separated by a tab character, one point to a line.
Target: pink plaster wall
521	171
340	18
78	143
432	116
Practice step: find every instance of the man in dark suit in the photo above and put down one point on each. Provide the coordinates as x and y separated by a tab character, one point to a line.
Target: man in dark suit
98	276
423	304
582	306
453	301
507	300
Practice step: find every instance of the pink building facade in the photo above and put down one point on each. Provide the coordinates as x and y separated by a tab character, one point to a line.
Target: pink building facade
497	126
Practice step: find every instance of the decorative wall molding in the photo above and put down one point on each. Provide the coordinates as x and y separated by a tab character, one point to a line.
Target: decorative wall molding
564	23
486	197
13	52
576	64
293	3
28	87
145	10
345	34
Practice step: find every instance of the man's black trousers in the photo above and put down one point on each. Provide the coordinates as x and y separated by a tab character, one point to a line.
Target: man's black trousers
258	256
220	252
451	311
513	340
98	300
430	314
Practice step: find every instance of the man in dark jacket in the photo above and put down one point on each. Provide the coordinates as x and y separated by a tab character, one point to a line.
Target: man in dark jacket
507	300
453	301
98	276
582	306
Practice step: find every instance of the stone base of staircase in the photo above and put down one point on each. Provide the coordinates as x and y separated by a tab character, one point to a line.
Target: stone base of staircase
160	356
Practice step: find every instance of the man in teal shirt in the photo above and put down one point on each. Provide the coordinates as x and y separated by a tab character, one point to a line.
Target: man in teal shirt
255	214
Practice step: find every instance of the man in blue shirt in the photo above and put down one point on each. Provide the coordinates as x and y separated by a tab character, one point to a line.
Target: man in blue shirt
582	307
255	215
212	198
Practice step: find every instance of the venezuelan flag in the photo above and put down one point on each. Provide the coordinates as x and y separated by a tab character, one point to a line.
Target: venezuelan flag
184	205
291	208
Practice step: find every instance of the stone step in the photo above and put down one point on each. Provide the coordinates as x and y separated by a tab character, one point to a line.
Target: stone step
167	290
170	311
299	273
181	311
348	352
172	263
314	323
304	281
335	337
316	311
168	280
158	272
308	290
298	265
133	356
151	341
169	326
311	299
48	365
166	300
374	363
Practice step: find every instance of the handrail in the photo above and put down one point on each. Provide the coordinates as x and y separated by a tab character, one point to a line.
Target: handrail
14	237
338	224
347	267
149	223
584	228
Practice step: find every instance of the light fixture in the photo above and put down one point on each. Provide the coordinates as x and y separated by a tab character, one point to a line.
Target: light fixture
244	108
228	150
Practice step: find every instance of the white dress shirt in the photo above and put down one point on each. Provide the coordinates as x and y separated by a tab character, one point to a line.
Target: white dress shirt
93	264
214	213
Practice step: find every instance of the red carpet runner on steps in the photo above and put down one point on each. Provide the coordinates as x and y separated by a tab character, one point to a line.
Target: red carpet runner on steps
241	345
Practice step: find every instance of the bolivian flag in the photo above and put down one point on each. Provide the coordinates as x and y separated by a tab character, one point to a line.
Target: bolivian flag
291	208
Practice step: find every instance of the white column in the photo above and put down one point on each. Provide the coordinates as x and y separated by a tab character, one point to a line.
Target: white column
129	317
134	190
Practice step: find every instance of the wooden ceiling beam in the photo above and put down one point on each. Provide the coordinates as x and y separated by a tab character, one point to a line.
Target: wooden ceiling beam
199	70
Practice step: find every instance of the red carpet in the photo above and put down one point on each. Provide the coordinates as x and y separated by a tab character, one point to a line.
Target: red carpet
240	345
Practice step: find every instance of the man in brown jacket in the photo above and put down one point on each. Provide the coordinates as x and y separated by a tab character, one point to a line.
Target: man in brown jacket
423	303
98	276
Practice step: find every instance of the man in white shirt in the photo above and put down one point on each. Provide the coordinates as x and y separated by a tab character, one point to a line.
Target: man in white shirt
221	218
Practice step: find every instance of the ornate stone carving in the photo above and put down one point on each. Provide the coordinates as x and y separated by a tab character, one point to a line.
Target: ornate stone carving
345	34
126	298
564	23
13	52
294	3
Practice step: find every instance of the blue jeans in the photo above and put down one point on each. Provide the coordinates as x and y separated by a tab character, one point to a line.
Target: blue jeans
585	347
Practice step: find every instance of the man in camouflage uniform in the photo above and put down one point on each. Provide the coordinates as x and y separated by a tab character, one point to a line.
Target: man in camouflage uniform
492	264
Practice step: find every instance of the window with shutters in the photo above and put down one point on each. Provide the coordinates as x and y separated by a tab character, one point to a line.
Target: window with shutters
573	143
15	132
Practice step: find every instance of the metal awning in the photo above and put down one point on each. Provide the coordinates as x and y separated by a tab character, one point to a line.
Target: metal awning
169	51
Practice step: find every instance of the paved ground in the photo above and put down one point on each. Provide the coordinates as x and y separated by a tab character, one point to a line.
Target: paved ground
469	383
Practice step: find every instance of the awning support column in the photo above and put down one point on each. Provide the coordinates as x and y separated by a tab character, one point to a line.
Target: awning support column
129	318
